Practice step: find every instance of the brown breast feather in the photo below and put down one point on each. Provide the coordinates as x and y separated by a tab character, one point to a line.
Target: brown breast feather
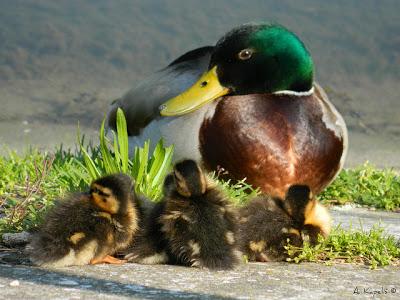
274	141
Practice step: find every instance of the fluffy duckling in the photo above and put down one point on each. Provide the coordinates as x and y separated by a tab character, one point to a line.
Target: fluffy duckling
87	228
269	224
198	222
310	215
194	225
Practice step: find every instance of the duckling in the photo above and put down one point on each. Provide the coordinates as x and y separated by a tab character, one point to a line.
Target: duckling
313	218
88	228
269	224
194	224
198	221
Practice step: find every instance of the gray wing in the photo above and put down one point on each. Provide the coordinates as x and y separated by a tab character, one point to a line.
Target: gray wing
141	104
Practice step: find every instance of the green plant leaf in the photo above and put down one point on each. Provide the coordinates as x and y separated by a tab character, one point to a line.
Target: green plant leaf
164	167
90	165
110	164
122	140
143	155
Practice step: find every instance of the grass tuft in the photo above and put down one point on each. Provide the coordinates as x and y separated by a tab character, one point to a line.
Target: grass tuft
147	170
365	185
239	192
28	184
372	248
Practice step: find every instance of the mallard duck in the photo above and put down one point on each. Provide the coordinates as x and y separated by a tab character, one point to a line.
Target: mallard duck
255	112
267	225
88	228
194	225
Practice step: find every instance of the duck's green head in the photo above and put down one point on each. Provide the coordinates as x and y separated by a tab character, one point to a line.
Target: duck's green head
262	59
250	59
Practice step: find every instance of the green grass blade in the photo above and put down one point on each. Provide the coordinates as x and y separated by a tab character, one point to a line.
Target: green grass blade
122	140
165	166
135	163
90	165
110	165
142	162
116	152
156	159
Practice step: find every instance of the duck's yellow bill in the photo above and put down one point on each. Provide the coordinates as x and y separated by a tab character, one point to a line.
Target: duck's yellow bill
206	89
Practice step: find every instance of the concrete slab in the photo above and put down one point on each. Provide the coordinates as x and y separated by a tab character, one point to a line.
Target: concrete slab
251	281
365	219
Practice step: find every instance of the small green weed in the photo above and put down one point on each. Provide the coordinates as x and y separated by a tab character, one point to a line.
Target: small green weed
372	248
240	192
365	185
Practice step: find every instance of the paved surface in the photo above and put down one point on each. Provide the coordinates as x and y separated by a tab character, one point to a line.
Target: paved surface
250	281
364	219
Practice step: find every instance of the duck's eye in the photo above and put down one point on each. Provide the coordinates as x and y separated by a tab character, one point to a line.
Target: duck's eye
245	54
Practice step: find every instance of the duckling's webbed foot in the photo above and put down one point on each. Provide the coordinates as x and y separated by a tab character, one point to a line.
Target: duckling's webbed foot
108	259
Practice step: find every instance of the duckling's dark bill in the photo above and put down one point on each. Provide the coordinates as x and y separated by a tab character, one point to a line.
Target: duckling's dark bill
206	89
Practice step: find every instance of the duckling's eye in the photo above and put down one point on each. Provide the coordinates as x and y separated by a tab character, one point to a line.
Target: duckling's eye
245	54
